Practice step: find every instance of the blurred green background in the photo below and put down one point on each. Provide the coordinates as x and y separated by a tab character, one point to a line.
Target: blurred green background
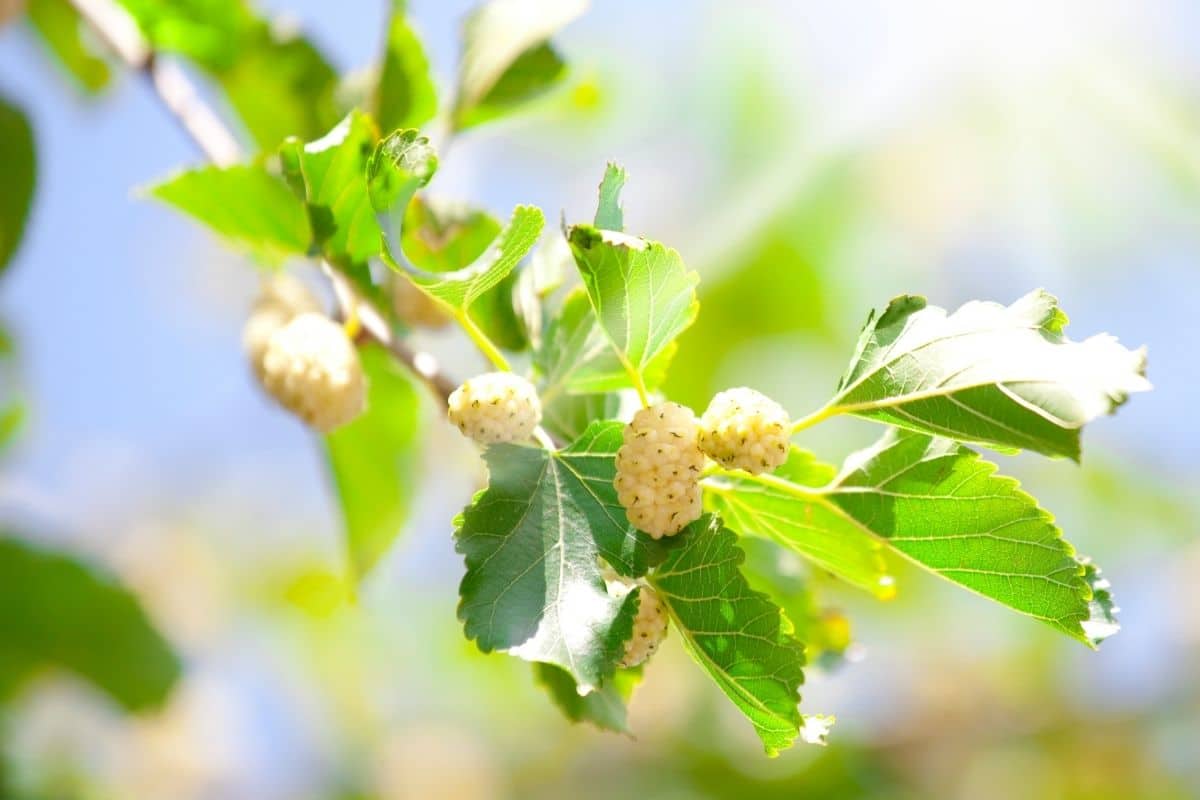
810	162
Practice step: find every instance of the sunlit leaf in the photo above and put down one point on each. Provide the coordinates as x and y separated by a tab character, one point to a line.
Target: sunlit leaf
737	635
609	213
375	460
58	612
59	26
211	33
1001	376
405	96
533	542
18	156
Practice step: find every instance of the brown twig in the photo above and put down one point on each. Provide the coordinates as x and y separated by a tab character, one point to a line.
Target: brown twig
113	25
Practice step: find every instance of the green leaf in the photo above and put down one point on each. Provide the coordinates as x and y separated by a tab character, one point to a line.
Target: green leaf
609	213
566	416
533	542
280	86
405	96
59	26
18	156
375	460
642	293
1004	377
507	59
945	508
603	707
60	612
402	163
790	508
245	204
736	634
211	33
462	287
332	172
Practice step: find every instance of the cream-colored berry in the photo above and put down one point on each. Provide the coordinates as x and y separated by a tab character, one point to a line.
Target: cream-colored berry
495	407
744	429
311	367
649	626
281	299
658	469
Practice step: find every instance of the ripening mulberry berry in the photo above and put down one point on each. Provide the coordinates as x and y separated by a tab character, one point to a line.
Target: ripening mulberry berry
649	626
281	299
658	469
744	429
495	407
311	367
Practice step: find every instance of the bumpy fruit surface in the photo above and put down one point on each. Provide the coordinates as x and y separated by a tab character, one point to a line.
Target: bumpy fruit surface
496	407
658	469
649	626
744	429
281	299
311	367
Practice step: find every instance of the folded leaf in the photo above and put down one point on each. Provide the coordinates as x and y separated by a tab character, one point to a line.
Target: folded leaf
375	460
533	542
59	612
604	707
610	215
1005	377
246	205
736	634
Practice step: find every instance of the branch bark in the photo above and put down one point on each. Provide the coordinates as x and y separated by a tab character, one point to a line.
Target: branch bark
175	90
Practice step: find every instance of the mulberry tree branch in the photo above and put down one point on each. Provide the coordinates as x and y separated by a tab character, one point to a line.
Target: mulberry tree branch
178	94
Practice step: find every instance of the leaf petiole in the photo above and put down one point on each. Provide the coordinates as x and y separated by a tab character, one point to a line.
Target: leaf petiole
482	341
818	416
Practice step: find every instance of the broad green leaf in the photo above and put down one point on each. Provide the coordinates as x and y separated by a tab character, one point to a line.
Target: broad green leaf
507	58
333	174
736	634
375	460
790	508
945	508
245	204
211	33
610	215
59	26
604	707
578	358
642	293
566	416
59	612
405	96
280	86
1005	377
461	288
533	540
17	154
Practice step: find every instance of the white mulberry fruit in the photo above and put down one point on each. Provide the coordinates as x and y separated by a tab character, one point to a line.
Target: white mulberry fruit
496	407
281	299
649	626
658	469
744	429
311	367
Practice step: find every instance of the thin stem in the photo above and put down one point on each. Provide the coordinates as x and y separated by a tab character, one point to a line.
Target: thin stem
482	341
818	416
635	377
116	28
544	439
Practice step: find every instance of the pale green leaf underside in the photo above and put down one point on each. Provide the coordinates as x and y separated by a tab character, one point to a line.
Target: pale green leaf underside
460	288
405	96
736	634
1001	376
532	542
610	216
642	293
789	509
946	509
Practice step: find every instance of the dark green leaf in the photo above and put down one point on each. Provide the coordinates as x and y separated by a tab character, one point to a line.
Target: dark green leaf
17	154
791	509
946	509
59	612
738	635
374	460
533	542
245	204
58	24
405	96
531	75
609	214
1005	377
603	707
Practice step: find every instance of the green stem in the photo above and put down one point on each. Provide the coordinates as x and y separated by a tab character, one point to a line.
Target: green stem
818	416
635	378
482	341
